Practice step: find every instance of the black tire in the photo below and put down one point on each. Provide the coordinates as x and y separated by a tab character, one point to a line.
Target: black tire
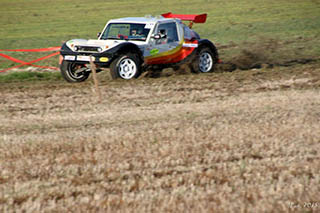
204	61
126	66
68	72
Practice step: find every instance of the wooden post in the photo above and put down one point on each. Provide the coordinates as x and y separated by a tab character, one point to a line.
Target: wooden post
95	80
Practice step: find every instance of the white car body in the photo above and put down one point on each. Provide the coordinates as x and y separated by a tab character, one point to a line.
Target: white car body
162	41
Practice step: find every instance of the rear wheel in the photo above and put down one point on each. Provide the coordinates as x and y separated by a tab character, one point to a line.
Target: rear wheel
204	62
73	72
126	66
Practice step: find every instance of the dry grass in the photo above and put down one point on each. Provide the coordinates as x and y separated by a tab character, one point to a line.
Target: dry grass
246	141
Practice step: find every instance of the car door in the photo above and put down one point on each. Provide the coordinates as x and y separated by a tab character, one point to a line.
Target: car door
163	49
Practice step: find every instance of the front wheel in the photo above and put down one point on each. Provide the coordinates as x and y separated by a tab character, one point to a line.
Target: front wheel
126	66
73	72
204	62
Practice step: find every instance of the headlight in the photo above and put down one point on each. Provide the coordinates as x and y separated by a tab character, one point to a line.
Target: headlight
76	48
99	49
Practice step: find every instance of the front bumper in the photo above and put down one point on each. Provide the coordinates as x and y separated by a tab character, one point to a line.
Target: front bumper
86	58
102	59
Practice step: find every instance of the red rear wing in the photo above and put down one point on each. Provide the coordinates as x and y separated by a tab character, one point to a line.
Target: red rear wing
194	18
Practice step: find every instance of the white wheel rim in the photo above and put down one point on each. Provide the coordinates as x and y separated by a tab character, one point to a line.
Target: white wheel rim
127	68
206	62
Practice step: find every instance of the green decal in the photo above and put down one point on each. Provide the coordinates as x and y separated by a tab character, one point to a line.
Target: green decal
154	51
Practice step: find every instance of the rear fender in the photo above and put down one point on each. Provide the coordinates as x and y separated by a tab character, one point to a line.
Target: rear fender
206	43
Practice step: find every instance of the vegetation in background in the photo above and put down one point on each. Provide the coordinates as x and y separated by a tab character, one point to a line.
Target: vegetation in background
29	76
232	25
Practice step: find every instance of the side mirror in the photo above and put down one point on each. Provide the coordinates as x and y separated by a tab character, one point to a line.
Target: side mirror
98	34
156	36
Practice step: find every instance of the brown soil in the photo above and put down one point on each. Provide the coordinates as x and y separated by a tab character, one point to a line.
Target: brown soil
246	141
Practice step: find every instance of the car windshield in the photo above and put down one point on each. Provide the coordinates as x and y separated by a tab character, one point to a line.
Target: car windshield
126	31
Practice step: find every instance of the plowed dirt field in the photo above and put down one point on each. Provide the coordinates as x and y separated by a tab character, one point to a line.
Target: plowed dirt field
242	141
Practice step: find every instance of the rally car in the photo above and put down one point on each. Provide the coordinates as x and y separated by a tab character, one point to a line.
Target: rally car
129	46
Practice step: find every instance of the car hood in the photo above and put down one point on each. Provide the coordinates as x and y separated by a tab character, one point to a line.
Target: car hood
103	44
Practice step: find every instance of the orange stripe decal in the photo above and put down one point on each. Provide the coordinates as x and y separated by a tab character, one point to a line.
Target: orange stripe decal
173	56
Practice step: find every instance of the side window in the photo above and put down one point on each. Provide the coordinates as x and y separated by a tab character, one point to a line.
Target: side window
170	32
190	34
187	33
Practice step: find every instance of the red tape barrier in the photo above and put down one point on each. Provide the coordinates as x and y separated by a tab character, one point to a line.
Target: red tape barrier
30	63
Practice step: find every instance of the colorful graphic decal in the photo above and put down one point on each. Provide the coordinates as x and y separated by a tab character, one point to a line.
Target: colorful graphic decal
154	51
184	49
189	45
